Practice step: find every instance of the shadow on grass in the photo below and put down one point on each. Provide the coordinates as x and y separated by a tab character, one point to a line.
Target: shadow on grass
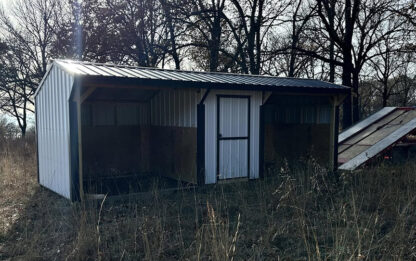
45	228
186	223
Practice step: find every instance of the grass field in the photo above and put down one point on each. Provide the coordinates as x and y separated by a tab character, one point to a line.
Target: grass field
292	214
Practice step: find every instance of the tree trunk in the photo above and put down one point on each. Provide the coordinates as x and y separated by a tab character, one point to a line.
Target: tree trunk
293	50
355	97
331	63
23	131
174	51
331	18
292	62
215	44
384	101
347	70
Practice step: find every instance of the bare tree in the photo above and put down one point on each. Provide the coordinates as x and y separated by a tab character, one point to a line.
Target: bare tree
386	67
301	14
354	27
28	29
31	25
344	39
136	29
207	32
171	31
250	29
15	88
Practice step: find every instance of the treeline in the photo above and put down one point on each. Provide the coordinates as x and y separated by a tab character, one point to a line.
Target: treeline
368	45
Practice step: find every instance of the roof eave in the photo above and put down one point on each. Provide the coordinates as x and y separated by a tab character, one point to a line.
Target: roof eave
117	81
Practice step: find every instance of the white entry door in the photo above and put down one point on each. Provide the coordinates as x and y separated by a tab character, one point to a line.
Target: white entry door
233	134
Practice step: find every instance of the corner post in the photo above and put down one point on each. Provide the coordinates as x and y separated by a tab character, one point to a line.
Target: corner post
335	101
332	136
200	144
261	142
80	165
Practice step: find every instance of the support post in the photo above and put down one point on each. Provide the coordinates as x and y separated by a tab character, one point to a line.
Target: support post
80	166
332	135
200	144
74	158
335	102
336	137
261	140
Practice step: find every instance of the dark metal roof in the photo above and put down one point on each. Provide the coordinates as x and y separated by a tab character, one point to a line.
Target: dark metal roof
220	80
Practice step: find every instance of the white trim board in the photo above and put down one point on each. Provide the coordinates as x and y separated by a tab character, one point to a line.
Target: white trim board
379	146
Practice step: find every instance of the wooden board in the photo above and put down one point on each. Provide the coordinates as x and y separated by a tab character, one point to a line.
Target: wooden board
373	134
365	123
115	150
372	128
351	152
380	146
378	135
407	116
173	152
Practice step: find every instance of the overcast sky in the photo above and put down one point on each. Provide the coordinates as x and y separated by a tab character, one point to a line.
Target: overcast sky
6	3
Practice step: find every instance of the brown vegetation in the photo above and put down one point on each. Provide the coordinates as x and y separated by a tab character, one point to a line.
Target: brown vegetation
302	214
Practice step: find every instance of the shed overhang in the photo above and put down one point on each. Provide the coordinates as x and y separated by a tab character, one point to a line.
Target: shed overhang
112	81
95	74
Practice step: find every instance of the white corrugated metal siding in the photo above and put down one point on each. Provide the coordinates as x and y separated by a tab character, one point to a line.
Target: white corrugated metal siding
211	132
175	108
52	112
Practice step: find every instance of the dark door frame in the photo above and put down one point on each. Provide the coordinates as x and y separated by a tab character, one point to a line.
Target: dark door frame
200	144
219	137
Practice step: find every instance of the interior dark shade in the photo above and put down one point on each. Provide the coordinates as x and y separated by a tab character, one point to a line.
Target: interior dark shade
296	128
124	152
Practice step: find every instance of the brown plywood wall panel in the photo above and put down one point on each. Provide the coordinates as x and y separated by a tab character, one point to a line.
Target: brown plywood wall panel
118	142
292	142
161	150
173	152
185	156
115	150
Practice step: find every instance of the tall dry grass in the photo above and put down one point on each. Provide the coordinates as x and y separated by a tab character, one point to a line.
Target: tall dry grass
17	179
303	213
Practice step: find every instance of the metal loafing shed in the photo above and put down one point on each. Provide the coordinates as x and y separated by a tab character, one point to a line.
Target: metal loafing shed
97	121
